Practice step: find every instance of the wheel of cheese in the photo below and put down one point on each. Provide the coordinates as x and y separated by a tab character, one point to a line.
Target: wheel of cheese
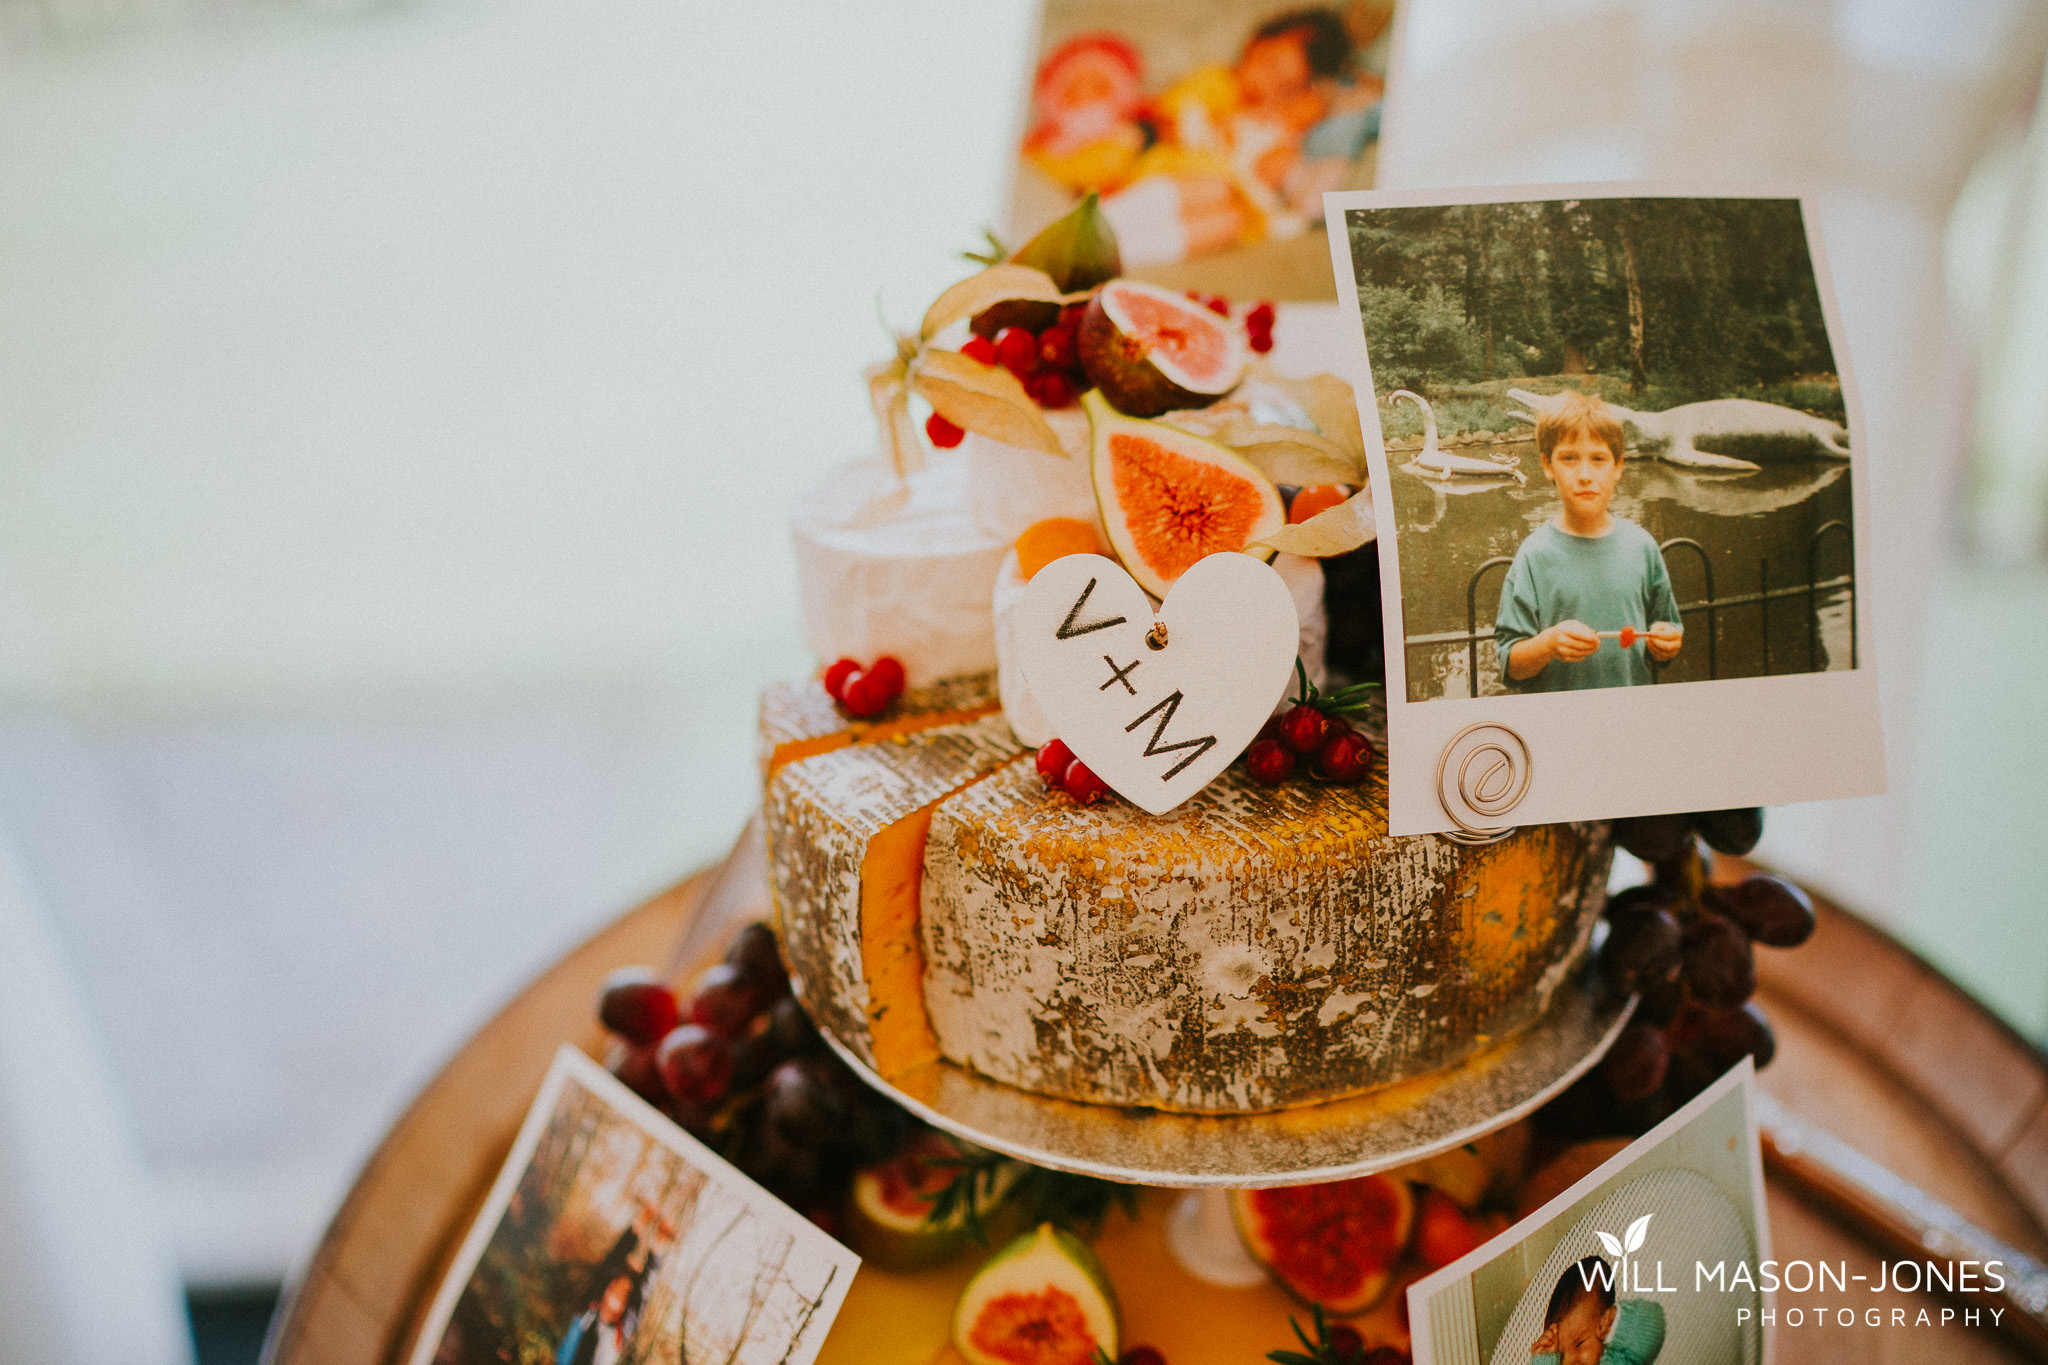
1253	949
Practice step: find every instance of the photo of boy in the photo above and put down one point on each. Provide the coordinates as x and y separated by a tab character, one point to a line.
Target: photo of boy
1583	1324
1587	601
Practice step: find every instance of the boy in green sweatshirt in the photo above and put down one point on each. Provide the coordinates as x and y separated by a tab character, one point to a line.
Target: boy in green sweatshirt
1584	572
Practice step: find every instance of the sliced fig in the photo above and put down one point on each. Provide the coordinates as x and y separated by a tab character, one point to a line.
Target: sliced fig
1151	350
1335	1244
889	1209
1043	1299
1168	498
1078	250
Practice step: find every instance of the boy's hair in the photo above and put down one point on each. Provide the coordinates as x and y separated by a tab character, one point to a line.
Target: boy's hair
1325	41
1590	1277
1576	414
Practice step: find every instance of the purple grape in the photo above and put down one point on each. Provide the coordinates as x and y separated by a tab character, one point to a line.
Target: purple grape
696	1064
759	960
1642	947
1651	837
803	1106
1635	1066
791	1027
1771	910
1660	1001
1733	832
635	1005
1719	966
725	1000
1726	1038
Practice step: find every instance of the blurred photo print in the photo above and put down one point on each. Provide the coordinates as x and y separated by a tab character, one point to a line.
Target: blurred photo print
1619	453
1210	130
1651	1259
614	1238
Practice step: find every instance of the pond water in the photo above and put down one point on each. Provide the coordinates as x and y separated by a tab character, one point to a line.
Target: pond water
1757	530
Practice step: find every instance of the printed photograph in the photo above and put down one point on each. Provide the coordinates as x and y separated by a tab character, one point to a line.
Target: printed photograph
1211	130
613	1238
1606	1274
1617	439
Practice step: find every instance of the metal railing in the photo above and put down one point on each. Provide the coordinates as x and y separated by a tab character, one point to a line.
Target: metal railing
1811	589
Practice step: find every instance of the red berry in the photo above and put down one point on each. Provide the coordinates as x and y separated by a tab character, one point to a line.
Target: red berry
889	669
1216	303
980	349
1053	758
865	695
1071	315
1050	389
636	1006
726	1000
1056	348
1345	1342
1142	1355
1261	342
695	1063
836	676
1083	785
1261	316
1270	761
1389	1355
1017	351
1303	729
1344	757
942	433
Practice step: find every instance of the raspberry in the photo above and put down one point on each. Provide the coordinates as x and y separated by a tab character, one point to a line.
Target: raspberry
942	433
1017	351
836	676
980	349
1303	729
1083	785
1053	758
1270	761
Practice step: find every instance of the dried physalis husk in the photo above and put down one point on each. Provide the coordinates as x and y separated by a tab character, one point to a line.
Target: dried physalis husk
982	398
1333	531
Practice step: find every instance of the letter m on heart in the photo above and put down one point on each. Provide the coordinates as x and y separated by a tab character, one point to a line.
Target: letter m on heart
1164	710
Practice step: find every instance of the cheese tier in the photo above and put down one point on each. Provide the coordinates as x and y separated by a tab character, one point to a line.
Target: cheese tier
1254	949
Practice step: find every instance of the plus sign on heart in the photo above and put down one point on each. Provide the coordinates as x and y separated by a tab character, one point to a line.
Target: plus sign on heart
1157	703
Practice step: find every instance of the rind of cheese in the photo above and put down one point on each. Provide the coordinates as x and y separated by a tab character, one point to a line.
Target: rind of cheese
837	818
800	719
1253	949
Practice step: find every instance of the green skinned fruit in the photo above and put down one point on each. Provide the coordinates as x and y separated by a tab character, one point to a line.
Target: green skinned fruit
1078	251
888	1213
1045	1292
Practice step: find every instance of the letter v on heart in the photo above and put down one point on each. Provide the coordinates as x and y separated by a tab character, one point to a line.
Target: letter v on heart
1157	723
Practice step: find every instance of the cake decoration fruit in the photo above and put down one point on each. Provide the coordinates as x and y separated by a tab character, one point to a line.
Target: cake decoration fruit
1053	760
942	433
1042	1300
866	692
1444	1232
1042	542
1269	761
1077	251
1345	756
637	1006
1080	782
1321	497
1334	1245
836	675
891	1209
1168	499
1150	350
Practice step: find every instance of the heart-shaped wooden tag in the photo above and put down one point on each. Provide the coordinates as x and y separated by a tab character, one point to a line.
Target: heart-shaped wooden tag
1157	705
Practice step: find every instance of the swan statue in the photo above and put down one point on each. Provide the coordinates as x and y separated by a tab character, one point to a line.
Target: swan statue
1442	463
1678	430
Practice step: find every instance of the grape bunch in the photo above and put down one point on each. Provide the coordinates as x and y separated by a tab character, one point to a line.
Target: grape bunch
740	1066
1687	948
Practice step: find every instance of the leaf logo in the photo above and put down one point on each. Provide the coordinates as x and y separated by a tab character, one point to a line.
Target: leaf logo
1637	1233
1624	1246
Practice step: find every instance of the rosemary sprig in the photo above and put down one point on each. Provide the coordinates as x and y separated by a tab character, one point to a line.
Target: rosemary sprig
1317	1351
983	1180
1357	697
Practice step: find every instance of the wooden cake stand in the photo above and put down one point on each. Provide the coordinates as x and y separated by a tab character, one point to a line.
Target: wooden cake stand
1876	1048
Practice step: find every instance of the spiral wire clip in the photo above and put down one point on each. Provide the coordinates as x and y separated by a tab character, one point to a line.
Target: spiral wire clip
1485	770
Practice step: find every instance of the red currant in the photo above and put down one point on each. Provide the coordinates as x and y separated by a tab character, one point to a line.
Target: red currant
888	669
1261	342
636	1006
980	349
836	676
865	695
1345	1342
1303	729
1217	304
1260	319
1270	761
1017	351
1053	758
1071	315
695	1063
1056	348
1050	389
1344	757
1142	1355
942	433
1083	785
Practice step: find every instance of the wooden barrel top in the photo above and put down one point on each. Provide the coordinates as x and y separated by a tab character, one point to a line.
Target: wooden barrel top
1875	1046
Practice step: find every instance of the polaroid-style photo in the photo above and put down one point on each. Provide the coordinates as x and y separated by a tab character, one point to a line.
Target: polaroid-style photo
1616	449
612	1237
1211	129
1651	1259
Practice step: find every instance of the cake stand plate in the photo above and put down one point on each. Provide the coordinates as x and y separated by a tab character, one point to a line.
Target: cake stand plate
1383	1128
